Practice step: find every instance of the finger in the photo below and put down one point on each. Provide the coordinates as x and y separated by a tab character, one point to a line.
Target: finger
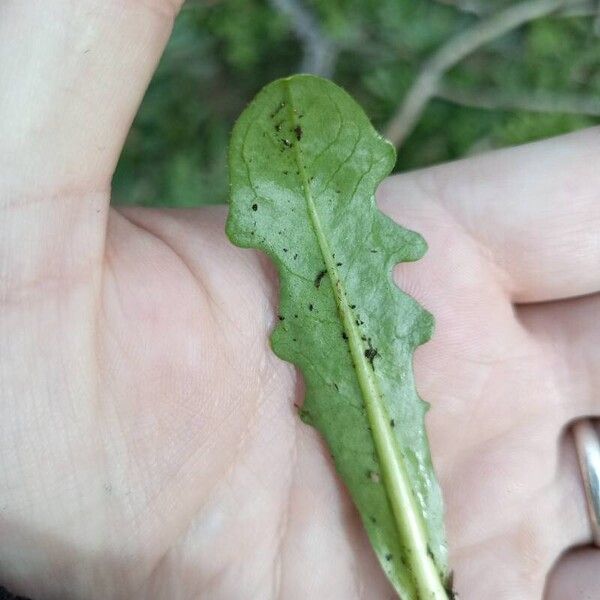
569	331
72	75
515	547
576	575
534	209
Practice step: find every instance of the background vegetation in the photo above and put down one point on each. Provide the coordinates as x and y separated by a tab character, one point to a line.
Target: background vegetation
538	79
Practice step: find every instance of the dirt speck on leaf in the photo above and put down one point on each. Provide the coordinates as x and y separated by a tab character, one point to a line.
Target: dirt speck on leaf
279	107
373	476
319	277
370	354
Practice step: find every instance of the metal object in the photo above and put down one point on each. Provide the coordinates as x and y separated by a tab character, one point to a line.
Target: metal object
587	442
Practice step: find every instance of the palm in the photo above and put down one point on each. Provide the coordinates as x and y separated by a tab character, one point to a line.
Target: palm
154	450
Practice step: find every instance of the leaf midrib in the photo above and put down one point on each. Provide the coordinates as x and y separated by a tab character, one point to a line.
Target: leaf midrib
408	519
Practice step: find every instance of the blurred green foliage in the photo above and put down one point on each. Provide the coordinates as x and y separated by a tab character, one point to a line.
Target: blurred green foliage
222	53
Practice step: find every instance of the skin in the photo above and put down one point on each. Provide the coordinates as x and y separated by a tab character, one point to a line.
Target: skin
149	446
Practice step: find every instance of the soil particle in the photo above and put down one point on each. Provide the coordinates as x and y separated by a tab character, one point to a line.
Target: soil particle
319	277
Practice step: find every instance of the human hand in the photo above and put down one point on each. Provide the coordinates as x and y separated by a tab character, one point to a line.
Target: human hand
149	442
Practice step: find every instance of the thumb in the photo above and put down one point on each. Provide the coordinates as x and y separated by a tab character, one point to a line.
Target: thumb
72	76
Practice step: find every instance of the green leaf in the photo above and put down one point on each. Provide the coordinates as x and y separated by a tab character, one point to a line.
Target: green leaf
304	165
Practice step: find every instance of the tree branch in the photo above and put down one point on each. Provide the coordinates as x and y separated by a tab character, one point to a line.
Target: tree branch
320	52
428	81
533	102
583	8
